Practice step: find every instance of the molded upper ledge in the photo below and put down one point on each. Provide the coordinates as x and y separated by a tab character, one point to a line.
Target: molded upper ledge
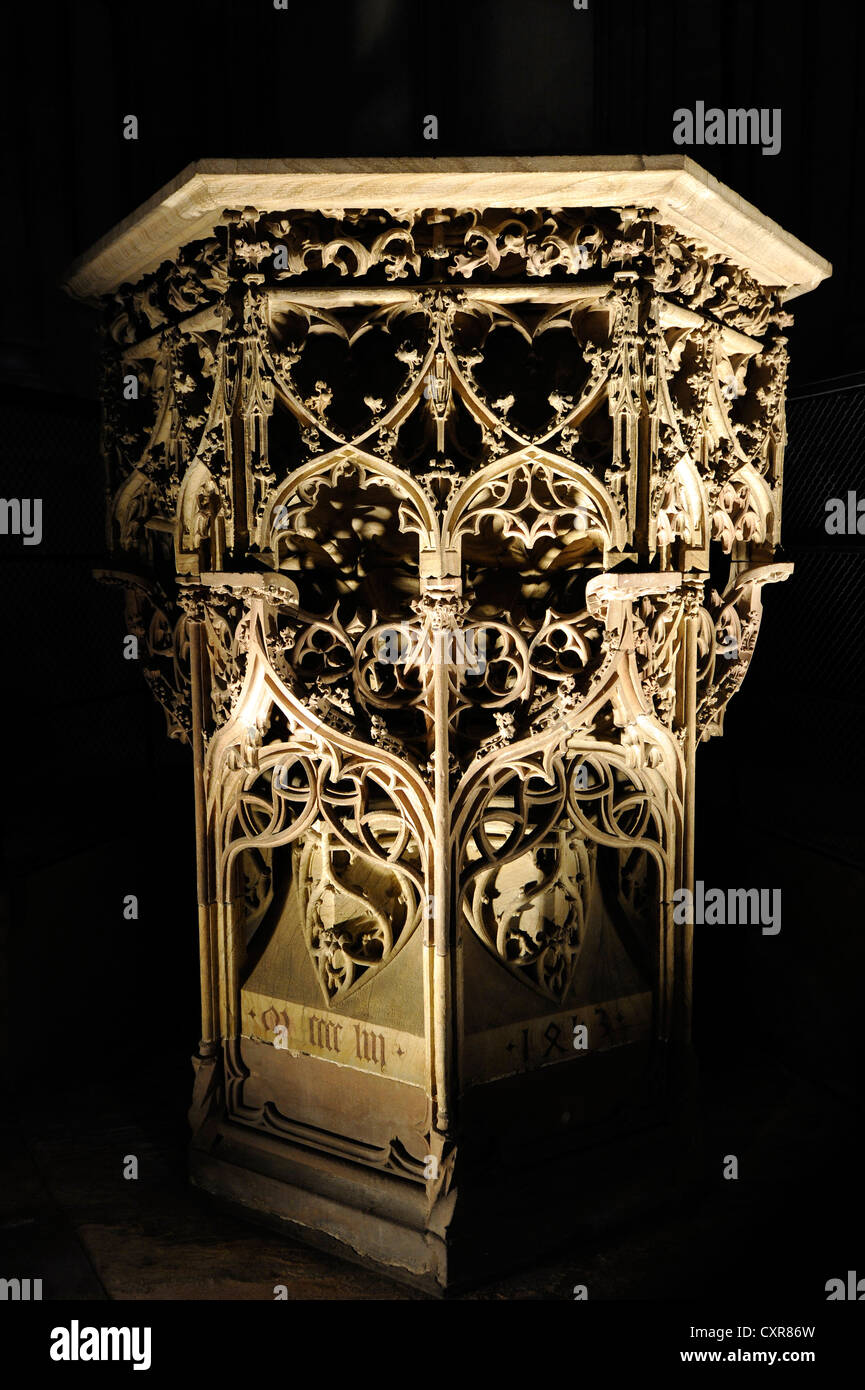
686	196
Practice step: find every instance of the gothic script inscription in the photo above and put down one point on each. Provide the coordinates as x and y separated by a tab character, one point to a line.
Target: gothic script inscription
313	1032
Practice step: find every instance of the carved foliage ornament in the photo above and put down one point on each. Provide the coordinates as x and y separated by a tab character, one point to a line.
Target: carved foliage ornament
439	510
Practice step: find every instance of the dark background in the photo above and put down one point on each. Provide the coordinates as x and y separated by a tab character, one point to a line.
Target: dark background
98	804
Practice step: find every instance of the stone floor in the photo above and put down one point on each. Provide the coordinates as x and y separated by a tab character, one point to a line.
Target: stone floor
68	1215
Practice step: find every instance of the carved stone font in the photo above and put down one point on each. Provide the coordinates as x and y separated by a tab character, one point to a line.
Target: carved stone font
444	499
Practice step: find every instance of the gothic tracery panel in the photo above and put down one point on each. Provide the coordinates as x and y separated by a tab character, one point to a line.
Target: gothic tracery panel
444	531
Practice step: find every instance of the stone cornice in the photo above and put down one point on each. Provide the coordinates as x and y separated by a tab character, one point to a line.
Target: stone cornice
685	195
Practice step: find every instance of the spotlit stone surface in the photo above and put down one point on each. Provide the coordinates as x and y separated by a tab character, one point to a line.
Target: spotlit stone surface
443	494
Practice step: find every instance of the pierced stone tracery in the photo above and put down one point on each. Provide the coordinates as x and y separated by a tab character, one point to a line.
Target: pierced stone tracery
445	533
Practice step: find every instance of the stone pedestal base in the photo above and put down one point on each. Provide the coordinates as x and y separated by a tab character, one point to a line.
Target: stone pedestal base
518	1191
